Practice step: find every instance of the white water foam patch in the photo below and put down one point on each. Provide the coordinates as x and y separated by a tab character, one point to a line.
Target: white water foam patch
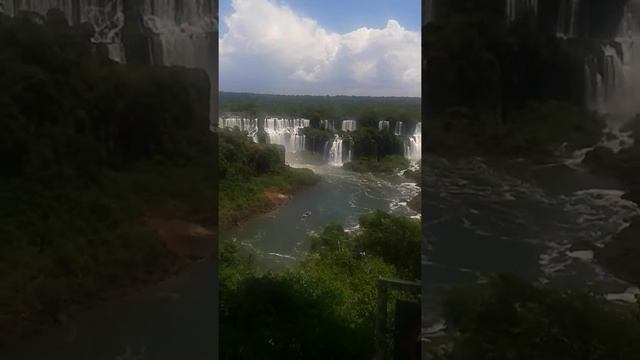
408	191
492	204
605	207
631	295
599	215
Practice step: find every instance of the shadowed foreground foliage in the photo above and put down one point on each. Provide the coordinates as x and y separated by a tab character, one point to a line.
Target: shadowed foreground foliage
324	307
509	319
89	149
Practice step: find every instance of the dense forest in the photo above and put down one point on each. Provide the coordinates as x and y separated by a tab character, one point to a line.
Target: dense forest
96	158
325	306
321	107
248	171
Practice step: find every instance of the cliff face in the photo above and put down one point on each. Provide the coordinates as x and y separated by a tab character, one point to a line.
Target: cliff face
565	18
158	32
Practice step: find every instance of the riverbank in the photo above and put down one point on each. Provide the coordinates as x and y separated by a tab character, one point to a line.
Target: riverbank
253	178
241	201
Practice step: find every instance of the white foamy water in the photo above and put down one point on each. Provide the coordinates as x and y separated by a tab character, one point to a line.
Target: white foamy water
482	220
629	296
348	125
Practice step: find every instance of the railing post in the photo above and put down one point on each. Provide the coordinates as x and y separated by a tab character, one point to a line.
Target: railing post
381	324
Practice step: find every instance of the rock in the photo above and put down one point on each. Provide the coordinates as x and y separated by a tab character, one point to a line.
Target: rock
598	157
620	256
185	238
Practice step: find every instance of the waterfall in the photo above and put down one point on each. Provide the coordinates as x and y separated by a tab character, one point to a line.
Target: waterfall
328	124
399	128
594	88
383	125
183	32
568	19
335	154
413	144
12	7
589	91
517	8
106	18
615	90
107	22
244	124
348	125
281	131
614	80
627	64
286	132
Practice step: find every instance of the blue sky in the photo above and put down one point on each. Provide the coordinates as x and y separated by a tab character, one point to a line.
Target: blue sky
346	15
315	47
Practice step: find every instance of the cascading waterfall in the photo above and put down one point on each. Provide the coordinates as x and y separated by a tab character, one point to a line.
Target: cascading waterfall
628	64
413	144
244	124
517	8
183	32
328	124
399	127
383	125
568	19
12	7
105	17
614	77
594	87
107	22
334	154
614	92
589	90
286	132
184	37
348	125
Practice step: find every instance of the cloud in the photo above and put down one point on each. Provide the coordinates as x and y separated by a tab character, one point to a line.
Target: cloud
270	48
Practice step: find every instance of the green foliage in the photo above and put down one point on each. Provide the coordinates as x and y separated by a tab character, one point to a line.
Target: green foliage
498	87
318	108
387	165
536	129
279	318
370	143
394	238
240	158
316	138
332	238
91	113
510	319
247	170
92	148
322	308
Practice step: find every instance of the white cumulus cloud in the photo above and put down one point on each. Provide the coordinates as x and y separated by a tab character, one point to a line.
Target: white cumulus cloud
270	48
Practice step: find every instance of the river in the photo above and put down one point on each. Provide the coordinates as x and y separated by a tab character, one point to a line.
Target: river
482	217
280	238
